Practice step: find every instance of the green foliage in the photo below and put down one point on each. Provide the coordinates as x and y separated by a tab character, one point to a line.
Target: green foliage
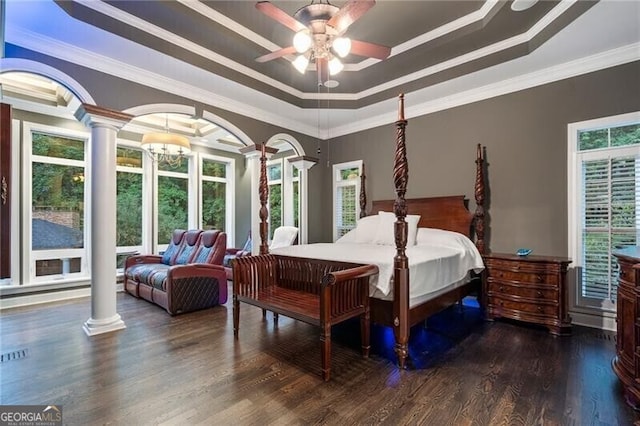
213	205
57	146
602	138
351	173
275	208
214	168
172	206
129	209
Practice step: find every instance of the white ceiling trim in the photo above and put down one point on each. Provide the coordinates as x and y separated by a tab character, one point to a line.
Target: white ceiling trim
306	120
221	19
183	43
476	54
288	116
443	30
611	58
484	11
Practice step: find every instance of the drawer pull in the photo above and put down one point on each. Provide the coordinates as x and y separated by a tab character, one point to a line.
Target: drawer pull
540	278
501	288
539	293
539	308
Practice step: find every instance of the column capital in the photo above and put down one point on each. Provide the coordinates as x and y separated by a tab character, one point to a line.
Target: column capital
95	116
303	162
254	151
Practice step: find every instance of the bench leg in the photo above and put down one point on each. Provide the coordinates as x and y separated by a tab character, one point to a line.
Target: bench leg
365	333
236	316
275	319
325	341
264	313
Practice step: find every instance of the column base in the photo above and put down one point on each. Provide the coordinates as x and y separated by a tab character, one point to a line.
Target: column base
94	326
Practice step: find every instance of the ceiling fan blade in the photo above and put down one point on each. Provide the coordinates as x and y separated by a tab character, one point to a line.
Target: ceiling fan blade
322	66
279	15
277	54
363	48
349	13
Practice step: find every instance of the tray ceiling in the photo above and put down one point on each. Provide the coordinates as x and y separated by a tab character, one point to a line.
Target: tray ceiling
432	41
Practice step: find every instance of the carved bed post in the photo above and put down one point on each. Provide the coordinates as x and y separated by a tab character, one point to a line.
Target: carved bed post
264	197
363	194
400	261
479	193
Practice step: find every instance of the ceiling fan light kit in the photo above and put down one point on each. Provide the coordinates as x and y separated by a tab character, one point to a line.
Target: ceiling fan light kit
319	35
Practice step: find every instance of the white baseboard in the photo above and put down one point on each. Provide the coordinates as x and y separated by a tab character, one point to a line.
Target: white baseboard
54	296
603	322
38	298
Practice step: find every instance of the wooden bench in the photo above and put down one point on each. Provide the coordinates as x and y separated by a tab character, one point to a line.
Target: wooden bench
317	292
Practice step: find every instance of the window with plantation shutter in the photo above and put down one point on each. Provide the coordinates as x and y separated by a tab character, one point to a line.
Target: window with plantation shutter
606	165
346	196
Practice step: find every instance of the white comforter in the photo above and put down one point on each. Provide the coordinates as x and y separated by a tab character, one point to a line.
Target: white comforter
434	263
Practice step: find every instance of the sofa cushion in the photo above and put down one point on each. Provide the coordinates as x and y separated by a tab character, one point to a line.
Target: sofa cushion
142	272
158	279
168	257
188	248
211	247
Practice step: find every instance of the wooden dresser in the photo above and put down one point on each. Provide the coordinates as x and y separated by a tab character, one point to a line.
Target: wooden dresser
528	288
626	363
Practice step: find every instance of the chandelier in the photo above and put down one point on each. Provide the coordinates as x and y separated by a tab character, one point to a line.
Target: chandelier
165	147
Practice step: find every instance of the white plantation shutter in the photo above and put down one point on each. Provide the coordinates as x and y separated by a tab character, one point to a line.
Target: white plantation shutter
346	197
345	209
611	197
607	179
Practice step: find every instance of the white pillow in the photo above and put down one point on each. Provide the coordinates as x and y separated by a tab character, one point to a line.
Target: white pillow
366	229
349	237
386	229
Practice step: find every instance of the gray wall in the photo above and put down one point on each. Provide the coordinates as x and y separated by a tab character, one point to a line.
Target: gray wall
526	138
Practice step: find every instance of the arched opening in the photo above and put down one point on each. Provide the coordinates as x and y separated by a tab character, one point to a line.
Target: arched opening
287	177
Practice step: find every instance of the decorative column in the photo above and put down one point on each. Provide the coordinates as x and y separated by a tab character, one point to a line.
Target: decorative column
303	163
104	124
253	155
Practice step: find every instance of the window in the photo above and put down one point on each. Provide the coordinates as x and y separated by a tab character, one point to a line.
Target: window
346	196
172	201
283	179
274	180
606	202
129	210
56	226
216	189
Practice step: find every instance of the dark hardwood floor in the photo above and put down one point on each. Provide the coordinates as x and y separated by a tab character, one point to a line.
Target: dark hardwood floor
188	370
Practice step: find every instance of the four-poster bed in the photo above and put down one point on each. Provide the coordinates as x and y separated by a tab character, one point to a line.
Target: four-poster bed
394	302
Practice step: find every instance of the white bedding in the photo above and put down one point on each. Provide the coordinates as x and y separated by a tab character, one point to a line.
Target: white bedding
439	260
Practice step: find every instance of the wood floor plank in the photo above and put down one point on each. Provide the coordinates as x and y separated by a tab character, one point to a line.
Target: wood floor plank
189	369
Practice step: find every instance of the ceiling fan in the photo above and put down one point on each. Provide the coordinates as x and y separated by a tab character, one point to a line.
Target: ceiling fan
319	29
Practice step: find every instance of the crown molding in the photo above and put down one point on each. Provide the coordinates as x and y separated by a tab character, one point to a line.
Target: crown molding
305	121
419	107
479	15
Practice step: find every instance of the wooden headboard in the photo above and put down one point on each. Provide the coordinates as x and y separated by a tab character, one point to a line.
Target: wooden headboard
449	213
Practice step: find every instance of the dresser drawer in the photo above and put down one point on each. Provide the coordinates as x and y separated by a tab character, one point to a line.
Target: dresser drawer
531	277
498	288
531	308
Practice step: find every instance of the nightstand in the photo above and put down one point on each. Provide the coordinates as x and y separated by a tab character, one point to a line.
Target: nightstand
528	288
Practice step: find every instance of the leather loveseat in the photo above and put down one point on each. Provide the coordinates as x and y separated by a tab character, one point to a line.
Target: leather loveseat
188	276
